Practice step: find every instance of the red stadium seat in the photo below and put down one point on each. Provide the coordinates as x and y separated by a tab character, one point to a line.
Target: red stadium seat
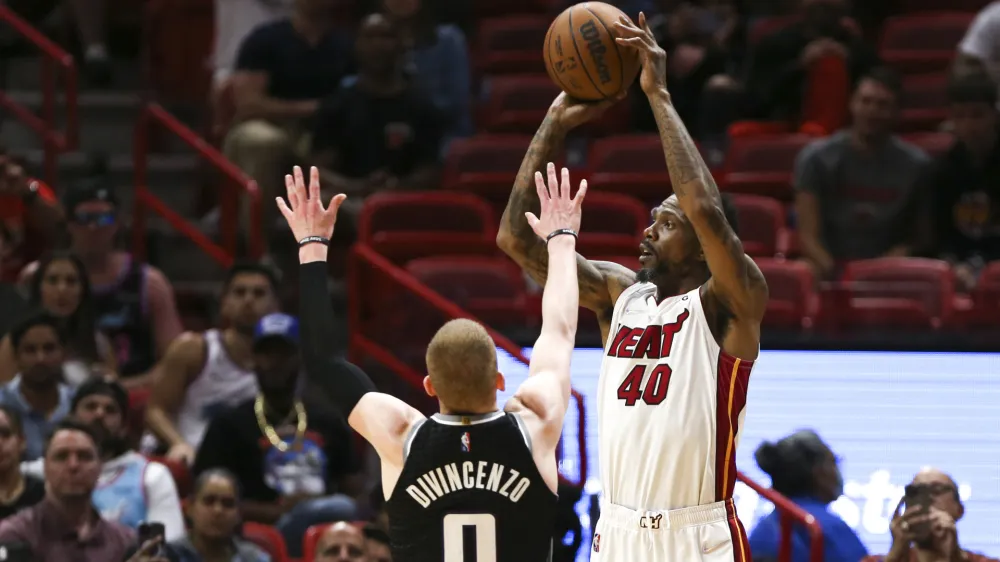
491	289
267	538
762	165
899	293
761	225
485	165
924	104
630	164
985	306
180	472
918	43
762	27
511	44
516	104
793	303
403	226
613	224
933	143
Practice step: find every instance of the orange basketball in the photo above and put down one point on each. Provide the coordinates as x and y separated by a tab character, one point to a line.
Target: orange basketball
582	57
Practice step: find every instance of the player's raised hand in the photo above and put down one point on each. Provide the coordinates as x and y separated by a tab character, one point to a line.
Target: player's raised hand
559	211
304	210
653	58
569	112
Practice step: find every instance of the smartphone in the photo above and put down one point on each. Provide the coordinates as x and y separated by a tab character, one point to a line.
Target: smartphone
149	530
15	552
917	497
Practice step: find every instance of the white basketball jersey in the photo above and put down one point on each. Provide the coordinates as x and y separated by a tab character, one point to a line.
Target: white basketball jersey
670	405
221	384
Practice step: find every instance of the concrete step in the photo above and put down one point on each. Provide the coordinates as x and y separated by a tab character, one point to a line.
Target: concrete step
25	73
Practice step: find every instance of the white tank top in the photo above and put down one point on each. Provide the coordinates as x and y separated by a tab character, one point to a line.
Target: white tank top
670	405
221	384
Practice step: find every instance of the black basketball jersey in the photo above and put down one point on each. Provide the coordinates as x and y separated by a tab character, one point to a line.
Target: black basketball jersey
470	492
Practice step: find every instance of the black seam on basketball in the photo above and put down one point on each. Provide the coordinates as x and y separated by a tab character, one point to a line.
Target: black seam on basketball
548	55
580	55
614	43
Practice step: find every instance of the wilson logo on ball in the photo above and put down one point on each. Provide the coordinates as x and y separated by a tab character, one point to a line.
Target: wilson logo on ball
597	50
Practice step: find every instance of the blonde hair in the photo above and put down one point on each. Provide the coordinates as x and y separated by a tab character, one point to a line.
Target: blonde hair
462	364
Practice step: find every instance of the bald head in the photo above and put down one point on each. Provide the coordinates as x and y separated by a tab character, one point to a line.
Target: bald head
342	542
943	490
462	365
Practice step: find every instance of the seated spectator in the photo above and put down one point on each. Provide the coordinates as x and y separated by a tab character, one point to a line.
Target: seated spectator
294	464
979	51
37	393
234	21
134	301
65	526
213	510
131	489
437	62
965	186
341	541
30	217
929	534
377	544
17	491
60	287
204	374
856	191
379	132
283	70
803	468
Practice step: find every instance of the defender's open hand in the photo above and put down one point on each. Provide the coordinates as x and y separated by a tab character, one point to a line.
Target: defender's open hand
304	211
559	210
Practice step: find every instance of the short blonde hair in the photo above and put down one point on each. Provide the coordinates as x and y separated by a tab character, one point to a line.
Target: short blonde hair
462	364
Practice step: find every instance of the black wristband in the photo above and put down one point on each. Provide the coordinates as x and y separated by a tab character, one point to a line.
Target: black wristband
560	232
314	240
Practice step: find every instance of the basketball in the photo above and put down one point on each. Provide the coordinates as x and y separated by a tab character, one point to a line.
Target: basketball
581	55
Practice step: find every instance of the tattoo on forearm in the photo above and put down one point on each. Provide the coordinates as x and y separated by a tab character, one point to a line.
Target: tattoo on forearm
688	172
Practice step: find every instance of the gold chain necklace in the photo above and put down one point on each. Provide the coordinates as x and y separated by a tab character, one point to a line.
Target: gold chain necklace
268	429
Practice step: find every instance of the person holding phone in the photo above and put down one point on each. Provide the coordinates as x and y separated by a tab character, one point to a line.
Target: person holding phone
923	525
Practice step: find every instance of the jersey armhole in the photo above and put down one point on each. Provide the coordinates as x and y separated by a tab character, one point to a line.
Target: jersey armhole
523	428
408	442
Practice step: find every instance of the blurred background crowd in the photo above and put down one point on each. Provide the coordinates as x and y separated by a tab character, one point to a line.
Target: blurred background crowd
148	371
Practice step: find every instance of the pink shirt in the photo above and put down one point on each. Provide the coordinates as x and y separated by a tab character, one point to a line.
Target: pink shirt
53	539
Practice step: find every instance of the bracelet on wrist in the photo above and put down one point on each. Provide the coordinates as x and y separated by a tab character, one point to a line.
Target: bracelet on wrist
314	240
561	232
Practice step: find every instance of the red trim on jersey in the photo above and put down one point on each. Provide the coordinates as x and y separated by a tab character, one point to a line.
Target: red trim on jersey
730	398
741	546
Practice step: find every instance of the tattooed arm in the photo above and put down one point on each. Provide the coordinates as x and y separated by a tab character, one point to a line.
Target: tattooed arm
600	283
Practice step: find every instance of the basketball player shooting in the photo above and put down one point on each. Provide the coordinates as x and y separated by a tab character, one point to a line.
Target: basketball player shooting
471	470
680	338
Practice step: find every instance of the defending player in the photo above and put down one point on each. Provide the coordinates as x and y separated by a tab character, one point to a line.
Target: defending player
680	338
471	470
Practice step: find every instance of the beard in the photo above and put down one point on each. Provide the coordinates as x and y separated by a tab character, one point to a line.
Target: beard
649	274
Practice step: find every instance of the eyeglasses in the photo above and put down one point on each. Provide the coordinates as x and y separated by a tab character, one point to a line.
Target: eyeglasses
106	218
934	489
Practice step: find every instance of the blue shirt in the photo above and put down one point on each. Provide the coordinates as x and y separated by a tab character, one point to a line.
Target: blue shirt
121	495
245	551
36	425
840	542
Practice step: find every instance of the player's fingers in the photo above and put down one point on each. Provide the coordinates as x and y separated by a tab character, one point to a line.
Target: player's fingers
532	219
553	180
335	204
543	192
300	186
632	42
285	211
627	28
290	192
580	194
314	184
564	185
643	23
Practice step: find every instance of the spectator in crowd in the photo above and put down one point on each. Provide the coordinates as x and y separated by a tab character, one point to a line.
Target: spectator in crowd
965	186
283	70
213	510
803	468
780	63
377	544
12	303
979	51
37	393
30	217
341	542
857	190
61	288
437	62
378	132
134	301
65	526
929	534
294	464
234	21
17	491
203	374
131	488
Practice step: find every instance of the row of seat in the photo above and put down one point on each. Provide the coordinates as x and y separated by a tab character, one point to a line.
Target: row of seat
881	293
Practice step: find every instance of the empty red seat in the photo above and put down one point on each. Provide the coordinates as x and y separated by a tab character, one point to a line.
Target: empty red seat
491	289
924	103
612	224
409	225
268	539
794	302
985	306
922	42
899	292
761	225
485	165
933	143
516	104
762	165
511	44
630	164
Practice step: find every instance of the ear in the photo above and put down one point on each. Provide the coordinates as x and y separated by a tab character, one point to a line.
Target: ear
501	382
428	387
